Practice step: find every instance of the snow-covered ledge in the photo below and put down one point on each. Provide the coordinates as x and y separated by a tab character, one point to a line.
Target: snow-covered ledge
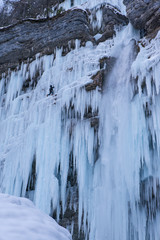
21	220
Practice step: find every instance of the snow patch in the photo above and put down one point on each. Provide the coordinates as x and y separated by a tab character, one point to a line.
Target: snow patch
20	220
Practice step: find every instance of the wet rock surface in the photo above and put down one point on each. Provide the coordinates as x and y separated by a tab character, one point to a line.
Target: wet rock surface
144	15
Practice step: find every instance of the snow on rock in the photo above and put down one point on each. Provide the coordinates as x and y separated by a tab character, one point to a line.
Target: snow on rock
7	5
20	220
1	4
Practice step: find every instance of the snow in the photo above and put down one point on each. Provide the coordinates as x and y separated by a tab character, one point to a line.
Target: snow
20	220
98	36
1	4
8	5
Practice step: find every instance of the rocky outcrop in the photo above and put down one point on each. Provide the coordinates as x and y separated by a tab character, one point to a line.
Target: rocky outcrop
28	37
15	11
106	64
111	18
144	15
24	39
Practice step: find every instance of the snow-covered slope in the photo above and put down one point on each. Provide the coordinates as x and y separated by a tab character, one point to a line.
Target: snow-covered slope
20	220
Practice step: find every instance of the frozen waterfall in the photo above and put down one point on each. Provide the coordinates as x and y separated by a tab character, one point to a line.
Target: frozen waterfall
127	177
90	151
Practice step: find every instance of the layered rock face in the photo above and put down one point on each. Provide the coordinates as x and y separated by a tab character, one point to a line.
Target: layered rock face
24	39
18	10
144	15
110	19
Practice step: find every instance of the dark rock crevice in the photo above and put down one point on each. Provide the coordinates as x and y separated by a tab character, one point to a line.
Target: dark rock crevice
31	184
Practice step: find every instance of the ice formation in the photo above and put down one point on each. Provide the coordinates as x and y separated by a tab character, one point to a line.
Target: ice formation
92	3
118	188
35	129
129	169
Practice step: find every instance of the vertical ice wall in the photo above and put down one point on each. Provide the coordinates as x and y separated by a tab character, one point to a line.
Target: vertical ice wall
126	179
42	136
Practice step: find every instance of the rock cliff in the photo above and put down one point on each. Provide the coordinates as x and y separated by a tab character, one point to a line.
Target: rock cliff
14	11
25	38
144	15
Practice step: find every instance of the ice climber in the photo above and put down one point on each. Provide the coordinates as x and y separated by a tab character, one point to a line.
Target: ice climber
50	90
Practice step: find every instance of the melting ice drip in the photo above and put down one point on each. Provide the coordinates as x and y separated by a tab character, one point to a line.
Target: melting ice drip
127	188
